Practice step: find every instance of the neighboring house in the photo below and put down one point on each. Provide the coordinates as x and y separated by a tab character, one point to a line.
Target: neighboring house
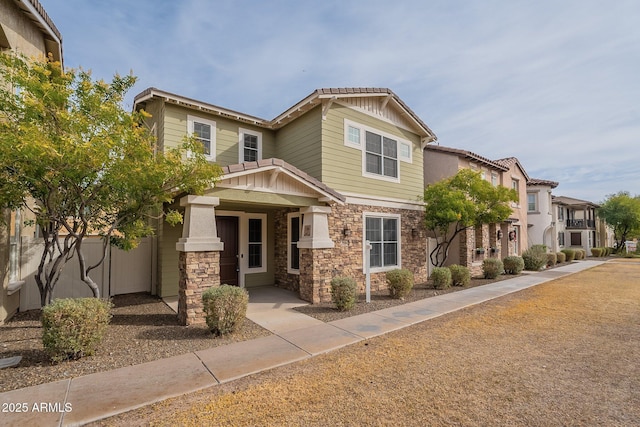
25	28
540	216
576	224
490	240
299	196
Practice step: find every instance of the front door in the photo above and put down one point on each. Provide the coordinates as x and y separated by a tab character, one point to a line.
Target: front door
229	263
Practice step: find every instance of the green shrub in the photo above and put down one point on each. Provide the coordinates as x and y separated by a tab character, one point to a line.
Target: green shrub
441	277
460	275
579	254
561	257
513	264
597	252
570	254
492	268
74	327
344	291
535	257
225	308
552	259
400	282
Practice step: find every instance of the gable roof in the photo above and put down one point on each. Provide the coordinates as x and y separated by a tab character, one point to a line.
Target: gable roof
232	171
508	162
468	155
317	97
534	181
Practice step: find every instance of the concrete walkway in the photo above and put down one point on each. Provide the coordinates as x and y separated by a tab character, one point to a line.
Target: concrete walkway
295	337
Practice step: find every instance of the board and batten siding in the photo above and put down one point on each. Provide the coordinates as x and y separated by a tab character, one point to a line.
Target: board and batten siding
300	144
342	165
227	134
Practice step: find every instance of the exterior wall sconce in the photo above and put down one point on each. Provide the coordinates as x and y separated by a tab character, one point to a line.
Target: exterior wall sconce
499	234
415	233
346	231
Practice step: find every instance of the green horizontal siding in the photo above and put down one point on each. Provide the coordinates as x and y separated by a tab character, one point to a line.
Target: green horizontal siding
342	165
299	143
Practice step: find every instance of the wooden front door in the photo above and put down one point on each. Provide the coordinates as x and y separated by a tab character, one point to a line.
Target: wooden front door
229	263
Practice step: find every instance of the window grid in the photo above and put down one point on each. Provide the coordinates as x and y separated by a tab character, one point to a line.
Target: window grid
382	233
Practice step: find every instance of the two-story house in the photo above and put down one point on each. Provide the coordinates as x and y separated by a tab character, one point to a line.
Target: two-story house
300	194
576	223
540	215
490	240
25	28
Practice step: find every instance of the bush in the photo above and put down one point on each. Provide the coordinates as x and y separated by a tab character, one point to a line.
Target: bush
535	257
492	268
552	259
579	254
597	252
400	282
561	256
344	291
570	254
513	264
441	277
74	327
225	308
460	275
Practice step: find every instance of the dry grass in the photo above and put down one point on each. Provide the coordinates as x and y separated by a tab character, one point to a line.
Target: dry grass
562	353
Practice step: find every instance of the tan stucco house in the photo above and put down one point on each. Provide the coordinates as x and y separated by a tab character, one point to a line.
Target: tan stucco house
300	194
25	28
490	240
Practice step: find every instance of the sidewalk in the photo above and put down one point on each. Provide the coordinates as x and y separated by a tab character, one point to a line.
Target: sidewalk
92	397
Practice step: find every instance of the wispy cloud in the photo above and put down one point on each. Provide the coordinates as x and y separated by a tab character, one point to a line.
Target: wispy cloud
552	83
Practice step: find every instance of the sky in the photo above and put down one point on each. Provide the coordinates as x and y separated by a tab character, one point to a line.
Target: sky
554	83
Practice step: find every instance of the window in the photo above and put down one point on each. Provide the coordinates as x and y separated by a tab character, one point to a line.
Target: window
494	179
383	234
561	238
515	185
405	152
255	259
204	131
560	213
250	143
576	239
532	202
293	235
353	136
381	155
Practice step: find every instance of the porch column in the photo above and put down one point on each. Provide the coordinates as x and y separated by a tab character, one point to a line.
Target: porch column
316	255
199	260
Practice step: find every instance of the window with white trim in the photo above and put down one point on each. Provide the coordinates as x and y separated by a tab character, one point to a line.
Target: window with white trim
256	243
383	232
560	238
405	152
204	131
353	136
494	179
532	202
250	143
294	227
381	154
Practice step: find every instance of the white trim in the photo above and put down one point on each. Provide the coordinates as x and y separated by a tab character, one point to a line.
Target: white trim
241	133
349	124
368	214
364	111
406	159
289	217
383	202
190	120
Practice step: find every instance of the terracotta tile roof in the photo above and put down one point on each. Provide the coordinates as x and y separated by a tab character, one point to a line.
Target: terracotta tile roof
534	181
570	201
508	162
468	155
311	181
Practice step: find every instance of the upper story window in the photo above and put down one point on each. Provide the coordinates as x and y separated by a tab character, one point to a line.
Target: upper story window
250	145
204	131
381	154
494	179
560	213
532	202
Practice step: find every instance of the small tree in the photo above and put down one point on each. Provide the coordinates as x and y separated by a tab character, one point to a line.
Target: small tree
460	202
71	155
622	213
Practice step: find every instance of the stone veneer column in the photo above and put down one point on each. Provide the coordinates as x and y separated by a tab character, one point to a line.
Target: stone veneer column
316	260
199	260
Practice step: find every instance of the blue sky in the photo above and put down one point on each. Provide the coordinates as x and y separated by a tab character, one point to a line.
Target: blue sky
553	83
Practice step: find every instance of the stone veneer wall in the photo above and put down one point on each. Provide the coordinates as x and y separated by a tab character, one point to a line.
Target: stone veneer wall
198	272
319	266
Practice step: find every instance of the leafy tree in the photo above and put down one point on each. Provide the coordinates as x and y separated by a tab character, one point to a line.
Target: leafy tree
622	213
82	165
460	202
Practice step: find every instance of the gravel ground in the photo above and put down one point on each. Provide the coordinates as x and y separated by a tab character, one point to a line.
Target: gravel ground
564	353
143	328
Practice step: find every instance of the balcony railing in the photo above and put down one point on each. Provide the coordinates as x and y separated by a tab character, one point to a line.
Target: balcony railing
581	223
